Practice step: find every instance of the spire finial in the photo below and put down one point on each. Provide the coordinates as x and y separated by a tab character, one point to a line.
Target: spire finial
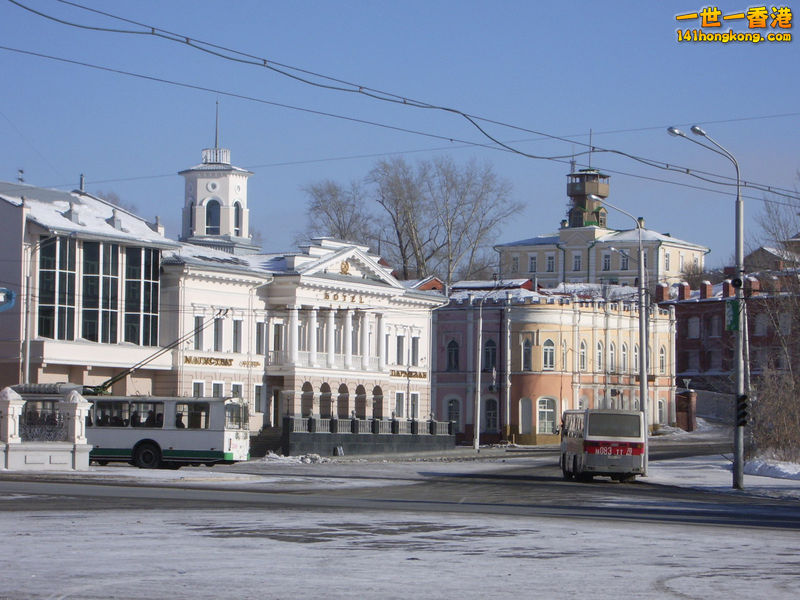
216	129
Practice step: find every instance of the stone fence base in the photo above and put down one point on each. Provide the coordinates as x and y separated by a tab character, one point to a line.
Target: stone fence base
45	456
354	437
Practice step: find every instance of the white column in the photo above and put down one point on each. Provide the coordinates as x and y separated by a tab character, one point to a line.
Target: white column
293	341
364	325
330	341
381	342
312	342
348	338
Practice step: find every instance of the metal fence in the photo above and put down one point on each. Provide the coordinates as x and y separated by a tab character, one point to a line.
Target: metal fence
41	421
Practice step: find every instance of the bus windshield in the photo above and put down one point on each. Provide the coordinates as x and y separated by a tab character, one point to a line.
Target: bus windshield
614	425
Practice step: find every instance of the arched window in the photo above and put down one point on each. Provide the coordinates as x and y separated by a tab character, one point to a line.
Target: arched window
527	357
599	362
490	412
582	356
624	358
662	360
237	219
612	357
452	356
212	218
191	216
454	412
636	357
548	355
489	355
662	411
546	412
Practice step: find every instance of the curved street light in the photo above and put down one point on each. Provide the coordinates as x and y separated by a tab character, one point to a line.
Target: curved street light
738	282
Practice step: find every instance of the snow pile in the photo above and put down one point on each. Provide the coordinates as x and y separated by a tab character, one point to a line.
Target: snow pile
306	459
772	468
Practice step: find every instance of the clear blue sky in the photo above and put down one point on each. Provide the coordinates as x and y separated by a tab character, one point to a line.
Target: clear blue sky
561	68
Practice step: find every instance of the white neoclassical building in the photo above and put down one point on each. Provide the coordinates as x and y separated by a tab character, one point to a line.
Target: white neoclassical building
105	298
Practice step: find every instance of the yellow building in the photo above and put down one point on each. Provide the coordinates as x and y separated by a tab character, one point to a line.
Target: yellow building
585	250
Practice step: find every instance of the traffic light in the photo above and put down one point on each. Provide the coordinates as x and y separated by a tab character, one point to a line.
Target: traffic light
742	408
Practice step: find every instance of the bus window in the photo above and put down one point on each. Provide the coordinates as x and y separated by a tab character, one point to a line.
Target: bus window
615	425
192	416
110	414
236	416
147	414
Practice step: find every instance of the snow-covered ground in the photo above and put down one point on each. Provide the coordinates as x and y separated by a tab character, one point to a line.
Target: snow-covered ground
286	553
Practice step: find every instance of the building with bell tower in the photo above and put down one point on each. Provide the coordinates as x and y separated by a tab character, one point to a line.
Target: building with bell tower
215	212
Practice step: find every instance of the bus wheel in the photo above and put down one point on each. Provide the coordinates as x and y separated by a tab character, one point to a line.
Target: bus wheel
102	463
147	456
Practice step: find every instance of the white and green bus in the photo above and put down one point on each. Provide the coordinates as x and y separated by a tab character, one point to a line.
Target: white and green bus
152	432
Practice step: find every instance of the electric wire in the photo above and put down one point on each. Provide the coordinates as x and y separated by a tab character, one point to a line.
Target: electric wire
388	96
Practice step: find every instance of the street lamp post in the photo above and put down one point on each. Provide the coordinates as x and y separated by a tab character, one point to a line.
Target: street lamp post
738	435
643	392
476	438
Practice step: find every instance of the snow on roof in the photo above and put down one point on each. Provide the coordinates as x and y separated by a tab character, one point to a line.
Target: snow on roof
191	254
82	214
648	235
488	284
539	240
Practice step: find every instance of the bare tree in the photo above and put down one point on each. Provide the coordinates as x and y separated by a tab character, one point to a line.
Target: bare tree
338	212
114	199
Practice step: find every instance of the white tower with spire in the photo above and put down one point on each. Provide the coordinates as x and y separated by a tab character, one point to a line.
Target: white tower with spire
215	209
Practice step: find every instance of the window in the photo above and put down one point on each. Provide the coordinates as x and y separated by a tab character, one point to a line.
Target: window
100	292
217	389
237	336
666	261
612	357
414	351
576	262
490	412
454	412
582	356
548	355
662	360
644	254
258	397
624	358
564	365
414	399
551	263
212	218
784	323
277	337
489	355
546	422
636	356
606	262
237	391
192	415
147	414
141	296
57	288
515	264
218	334
694	328
532	264
399	403
662	411
761	325
198	333
261	330
452	356
198	389
527	356
715	327
623	263
680	263
599	362
237	219
401	352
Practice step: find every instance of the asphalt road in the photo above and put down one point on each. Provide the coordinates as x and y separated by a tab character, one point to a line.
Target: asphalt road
531	485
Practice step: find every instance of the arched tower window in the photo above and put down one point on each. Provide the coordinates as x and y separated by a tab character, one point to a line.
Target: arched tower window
212	217
237	219
549	355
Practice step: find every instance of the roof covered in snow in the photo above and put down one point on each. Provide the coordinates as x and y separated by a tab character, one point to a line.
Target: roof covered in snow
83	215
